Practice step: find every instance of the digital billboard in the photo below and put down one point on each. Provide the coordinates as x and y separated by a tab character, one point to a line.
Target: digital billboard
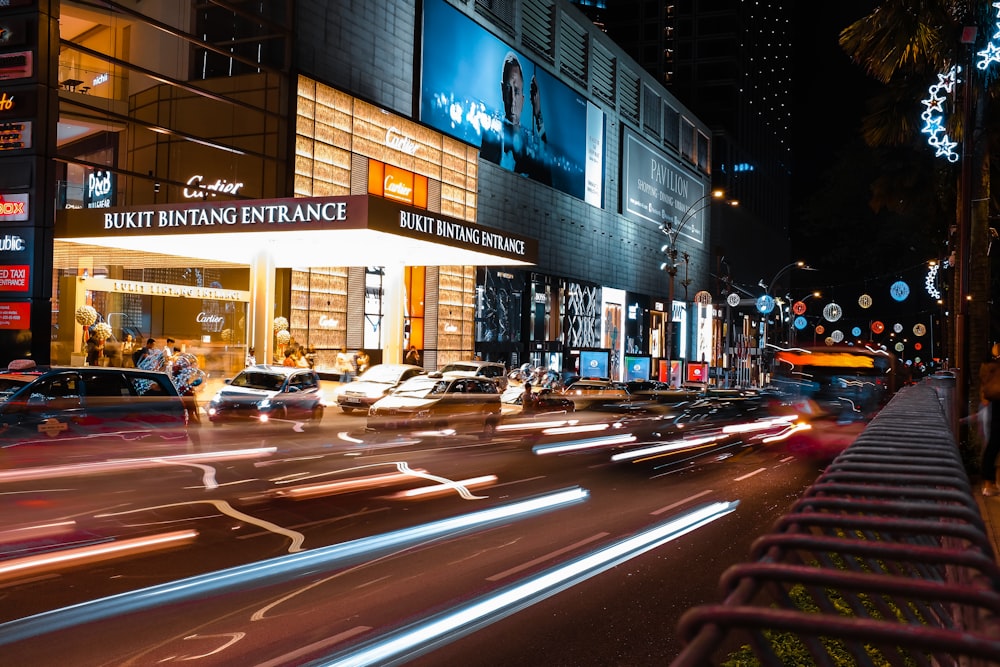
476	88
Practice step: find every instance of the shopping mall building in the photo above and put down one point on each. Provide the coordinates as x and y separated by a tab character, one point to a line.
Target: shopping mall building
470	177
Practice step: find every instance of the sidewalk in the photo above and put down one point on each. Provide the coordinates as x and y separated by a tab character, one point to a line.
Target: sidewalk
989	507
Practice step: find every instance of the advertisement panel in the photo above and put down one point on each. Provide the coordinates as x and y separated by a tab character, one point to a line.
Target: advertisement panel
637	368
15	315
656	189
594	363
478	89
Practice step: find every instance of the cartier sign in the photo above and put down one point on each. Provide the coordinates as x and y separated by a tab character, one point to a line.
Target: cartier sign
395	139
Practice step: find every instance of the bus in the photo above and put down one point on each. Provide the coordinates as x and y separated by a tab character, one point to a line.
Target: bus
855	379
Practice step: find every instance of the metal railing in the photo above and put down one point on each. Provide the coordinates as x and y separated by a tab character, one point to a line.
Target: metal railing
885	560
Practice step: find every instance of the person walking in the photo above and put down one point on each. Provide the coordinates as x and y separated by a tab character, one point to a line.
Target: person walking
128	349
412	356
94	349
989	390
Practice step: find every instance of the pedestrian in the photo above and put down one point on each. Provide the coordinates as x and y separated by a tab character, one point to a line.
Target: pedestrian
128	349
311	356
138	355
289	357
94	349
251	357
412	356
343	364
989	390
527	398
362	361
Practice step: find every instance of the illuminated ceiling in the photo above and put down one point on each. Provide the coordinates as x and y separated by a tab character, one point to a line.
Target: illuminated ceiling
348	247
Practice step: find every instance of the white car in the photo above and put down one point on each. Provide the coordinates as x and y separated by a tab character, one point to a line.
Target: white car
492	370
373	384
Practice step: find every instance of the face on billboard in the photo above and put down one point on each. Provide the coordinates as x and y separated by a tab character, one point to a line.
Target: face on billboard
476	88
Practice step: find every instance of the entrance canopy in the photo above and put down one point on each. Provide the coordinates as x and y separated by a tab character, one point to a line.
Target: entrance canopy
355	230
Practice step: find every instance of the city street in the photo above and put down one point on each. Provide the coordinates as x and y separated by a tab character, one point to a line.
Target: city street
319	493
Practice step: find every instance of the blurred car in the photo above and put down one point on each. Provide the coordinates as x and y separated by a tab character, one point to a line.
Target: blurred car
591	394
434	401
373	384
264	393
545	400
492	370
54	404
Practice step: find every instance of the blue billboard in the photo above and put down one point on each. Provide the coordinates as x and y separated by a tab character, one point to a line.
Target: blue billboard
476	88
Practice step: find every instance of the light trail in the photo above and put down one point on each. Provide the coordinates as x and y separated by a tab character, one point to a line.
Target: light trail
403	645
673	446
46	562
590	443
276	570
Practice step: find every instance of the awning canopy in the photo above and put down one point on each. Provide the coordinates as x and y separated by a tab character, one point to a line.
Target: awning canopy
355	230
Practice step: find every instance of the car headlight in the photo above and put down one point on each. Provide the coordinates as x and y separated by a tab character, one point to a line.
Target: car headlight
264	404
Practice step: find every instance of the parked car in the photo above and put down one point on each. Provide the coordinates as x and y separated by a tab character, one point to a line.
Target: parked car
545	400
85	404
264	393
373	384
434	401
598	395
492	370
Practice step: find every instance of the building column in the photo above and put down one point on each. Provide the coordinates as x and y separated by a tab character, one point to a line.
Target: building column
394	313
260	313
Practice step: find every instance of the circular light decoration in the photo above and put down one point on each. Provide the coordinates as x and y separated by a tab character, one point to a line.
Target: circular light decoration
900	347
897	327
856	331
919	329
765	303
865	301
828	341
832	312
877	327
799	307
800	323
733	299
820	329
899	290
916	360
930	282
837	336
917	346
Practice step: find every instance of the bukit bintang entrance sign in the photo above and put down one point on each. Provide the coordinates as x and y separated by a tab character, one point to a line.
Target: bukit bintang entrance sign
214	229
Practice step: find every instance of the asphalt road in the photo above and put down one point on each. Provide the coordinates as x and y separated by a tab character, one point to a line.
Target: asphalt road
351	502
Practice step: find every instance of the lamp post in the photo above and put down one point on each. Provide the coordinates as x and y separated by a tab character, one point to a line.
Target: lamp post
792	335
672	229
765	304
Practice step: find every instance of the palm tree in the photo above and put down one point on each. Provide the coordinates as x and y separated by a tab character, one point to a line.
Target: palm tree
905	44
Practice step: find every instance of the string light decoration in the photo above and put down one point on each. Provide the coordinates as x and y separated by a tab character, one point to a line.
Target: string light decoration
832	312
933	115
930	282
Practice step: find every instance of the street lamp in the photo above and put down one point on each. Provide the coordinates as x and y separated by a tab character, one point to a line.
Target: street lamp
672	230
792	331
765	304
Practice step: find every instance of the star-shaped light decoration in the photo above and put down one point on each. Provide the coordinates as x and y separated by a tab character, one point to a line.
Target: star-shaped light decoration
988	56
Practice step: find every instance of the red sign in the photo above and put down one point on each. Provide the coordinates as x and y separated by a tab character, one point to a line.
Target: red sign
15	315
14	277
13	207
697	371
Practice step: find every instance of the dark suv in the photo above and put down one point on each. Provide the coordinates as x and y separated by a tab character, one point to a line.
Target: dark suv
91	404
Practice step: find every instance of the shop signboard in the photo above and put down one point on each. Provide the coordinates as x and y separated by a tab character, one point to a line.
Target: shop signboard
14	207
15	315
656	189
18	101
16	65
15	277
15	135
99	190
13	30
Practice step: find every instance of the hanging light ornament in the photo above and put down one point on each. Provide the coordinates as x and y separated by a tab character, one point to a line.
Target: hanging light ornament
800	323
856	331
832	312
837	336
897	327
933	115
877	327
930	282
919	329
865	301
899	290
